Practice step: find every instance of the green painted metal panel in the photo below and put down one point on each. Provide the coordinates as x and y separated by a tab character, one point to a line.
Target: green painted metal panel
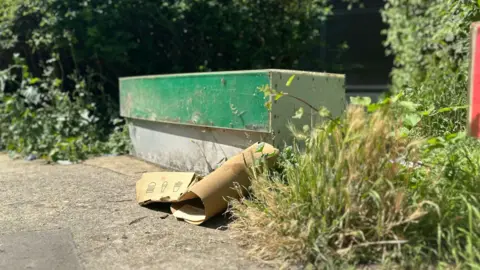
221	100
218	99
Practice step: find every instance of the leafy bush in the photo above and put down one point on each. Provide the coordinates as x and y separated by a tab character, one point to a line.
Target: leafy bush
430	40
129	37
364	191
39	118
74	52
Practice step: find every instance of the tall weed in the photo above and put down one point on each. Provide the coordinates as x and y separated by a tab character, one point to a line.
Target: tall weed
367	190
344	199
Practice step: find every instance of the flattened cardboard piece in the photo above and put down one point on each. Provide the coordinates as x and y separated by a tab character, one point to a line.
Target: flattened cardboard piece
210	196
163	186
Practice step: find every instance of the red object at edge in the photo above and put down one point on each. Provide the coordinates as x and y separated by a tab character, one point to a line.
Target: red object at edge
474	111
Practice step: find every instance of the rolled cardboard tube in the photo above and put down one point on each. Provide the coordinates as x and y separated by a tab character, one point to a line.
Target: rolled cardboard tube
209	196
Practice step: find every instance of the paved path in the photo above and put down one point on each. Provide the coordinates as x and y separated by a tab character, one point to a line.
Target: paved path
95	202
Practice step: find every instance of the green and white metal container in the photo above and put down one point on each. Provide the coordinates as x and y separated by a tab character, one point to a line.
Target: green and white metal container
193	122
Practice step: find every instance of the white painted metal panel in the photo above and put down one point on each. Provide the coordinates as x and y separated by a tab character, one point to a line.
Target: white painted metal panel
188	148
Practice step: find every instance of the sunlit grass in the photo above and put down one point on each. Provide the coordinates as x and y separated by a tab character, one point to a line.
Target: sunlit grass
363	193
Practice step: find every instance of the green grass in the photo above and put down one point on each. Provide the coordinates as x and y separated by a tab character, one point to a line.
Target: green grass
364	193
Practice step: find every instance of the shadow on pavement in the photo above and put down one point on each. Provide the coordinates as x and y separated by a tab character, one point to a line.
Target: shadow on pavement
219	222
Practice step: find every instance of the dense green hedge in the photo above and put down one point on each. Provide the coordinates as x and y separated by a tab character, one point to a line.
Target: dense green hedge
430	41
131	37
69	55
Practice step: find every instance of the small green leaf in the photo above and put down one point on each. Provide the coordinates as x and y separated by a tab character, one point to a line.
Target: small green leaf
278	95
395	98
117	121
306	128
451	136
373	107
324	112
404	131
363	101
385	101
57	82
456	136
412	120
53	153
435	143
290	80
428	112
455	108
266	90
9	101
460	107
271	155
310	266
410	106
268	105
260	147
298	113
34	80
445	109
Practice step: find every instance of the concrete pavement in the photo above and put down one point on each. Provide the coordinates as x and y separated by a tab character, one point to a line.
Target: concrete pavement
95	203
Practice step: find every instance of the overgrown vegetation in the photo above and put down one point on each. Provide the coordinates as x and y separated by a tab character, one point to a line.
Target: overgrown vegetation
430	41
60	102
38	118
126	37
344	196
395	183
365	191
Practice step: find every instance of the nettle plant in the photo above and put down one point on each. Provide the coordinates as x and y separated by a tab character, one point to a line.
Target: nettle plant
37	117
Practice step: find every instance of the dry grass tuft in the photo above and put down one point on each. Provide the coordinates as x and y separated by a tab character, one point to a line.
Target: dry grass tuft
343	199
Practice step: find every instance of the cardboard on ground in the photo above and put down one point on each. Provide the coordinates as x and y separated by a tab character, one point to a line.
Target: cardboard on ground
196	201
210	196
163	186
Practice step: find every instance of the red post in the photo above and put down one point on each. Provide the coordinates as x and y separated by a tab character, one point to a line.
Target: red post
474	85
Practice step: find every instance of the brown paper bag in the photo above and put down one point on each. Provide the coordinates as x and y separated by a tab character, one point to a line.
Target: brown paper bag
210	196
